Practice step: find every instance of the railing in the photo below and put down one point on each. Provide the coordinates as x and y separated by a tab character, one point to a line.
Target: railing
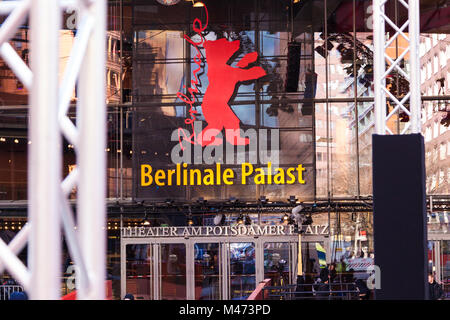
6	290
446	289
334	291
108	296
258	294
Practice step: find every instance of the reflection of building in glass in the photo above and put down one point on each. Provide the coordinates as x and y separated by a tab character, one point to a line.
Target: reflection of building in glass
12	91
149	61
113	81
435	81
337	119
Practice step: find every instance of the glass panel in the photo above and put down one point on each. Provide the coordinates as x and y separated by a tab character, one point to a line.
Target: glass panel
13	155
151	78
173	272
365	131
242	270
277	262
336	158
283	113
435	124
113	257
438	222
445	266
113	152
276	192
207	271
139	276
364	64
431	256
439	263
313	260
343	160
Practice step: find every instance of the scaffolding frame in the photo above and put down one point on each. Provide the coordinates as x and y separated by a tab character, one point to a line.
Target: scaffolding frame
49	101
381	44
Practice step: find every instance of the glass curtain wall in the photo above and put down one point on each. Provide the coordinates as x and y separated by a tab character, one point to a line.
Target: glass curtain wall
148	62
326	123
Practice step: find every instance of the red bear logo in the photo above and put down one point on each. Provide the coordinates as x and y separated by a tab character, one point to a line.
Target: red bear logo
223	79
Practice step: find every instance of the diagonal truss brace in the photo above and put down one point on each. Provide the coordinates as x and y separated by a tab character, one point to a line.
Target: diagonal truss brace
49	104
381	44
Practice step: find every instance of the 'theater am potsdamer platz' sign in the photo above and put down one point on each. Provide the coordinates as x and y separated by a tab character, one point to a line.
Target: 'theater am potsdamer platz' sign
208	231
221	231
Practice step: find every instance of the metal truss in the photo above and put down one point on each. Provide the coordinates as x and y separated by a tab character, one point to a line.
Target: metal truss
383	60
48	206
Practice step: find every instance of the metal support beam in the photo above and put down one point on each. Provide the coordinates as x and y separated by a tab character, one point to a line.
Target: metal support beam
48	206
44	164
383	60
92	182
414	57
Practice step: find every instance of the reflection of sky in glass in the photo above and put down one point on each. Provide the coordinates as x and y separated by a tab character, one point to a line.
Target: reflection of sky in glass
269	41
266	120
245	113
174	71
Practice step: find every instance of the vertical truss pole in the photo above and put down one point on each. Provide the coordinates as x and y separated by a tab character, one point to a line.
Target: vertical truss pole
44	163
380	73
379	66
49	103
414	42
92	157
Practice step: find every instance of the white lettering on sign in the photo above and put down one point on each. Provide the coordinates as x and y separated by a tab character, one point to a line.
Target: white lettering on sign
221	231
216	231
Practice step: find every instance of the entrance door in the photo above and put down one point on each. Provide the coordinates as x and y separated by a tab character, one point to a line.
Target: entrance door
278	263
314	257
204	268
172	271
152	270
208	271
139	271
241	269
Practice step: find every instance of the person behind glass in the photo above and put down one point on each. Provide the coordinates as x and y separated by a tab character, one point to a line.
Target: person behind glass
349	276
435	289
328	274
363	290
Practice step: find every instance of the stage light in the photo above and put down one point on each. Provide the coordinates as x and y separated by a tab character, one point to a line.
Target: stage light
248	220
263	199
240	219
285	218
198	4
190	221
292	199
232	200
145	221
308	220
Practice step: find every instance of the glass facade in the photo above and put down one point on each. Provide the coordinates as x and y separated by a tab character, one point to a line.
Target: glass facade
325	123
149	62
